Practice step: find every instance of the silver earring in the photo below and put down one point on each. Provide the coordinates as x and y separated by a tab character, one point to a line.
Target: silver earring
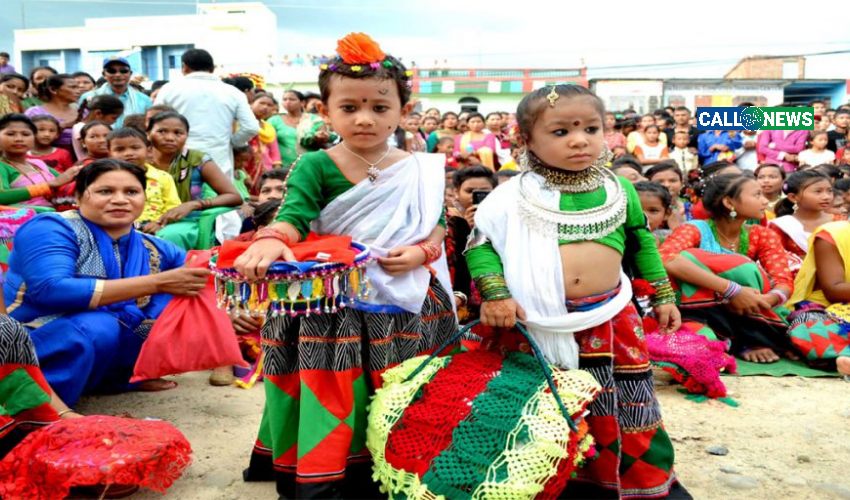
794	207
524	164
733	214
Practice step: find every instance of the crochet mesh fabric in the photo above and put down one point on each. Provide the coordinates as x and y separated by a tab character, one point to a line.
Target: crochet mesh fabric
700	359
478	425
94	450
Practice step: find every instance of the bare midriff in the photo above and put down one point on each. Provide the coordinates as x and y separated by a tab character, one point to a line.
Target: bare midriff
589	268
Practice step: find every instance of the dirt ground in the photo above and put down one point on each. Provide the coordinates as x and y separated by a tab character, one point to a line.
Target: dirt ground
788	439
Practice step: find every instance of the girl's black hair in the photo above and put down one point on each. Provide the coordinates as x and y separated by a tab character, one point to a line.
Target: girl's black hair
655	189
770	165
656	127
39	68
795	184
831	171
723	186
90	125
165	115
842	185
446	115
105	103
698	183
95	169
265	212
238	150
126	133
664	166
487	117
263	95
474	172
15	76
426	117
11	118
243	83
51	83
79	74
46	118
627	161
298	94
475	114
533	104
390	69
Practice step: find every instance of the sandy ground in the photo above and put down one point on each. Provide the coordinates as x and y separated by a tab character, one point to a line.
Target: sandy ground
788	439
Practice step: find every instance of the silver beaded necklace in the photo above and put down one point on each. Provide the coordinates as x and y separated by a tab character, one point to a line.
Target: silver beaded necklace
372	172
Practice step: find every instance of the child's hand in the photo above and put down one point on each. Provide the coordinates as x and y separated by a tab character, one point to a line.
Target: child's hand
501	313
669	318
177	213
403	259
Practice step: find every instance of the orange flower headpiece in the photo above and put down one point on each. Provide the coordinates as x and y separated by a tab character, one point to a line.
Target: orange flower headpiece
359	48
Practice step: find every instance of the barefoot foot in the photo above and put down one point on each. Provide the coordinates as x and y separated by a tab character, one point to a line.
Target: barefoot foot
156	385
760	355
843	364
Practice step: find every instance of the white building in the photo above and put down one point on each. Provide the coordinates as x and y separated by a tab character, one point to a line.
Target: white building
240	36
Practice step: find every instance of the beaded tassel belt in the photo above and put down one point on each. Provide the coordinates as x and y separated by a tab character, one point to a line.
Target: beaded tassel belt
295	288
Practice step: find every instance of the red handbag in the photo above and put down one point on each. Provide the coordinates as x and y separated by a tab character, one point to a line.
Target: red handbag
191	334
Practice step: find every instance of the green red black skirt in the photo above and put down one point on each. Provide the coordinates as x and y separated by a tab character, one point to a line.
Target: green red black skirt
319	373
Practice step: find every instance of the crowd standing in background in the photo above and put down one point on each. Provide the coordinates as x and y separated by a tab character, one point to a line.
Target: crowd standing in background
105	185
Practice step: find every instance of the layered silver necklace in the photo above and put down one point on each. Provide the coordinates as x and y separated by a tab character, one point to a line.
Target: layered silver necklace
372	172
581	225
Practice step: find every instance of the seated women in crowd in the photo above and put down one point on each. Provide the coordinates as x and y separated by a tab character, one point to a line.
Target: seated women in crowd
699	183
821	300
90	286
23	180
264	145
731	275
459	223
12	89
191	170
771	178
808	197
668	174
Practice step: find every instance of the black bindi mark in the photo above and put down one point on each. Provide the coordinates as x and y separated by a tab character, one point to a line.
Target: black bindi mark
365	101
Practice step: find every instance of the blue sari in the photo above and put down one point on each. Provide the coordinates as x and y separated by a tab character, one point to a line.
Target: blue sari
57	271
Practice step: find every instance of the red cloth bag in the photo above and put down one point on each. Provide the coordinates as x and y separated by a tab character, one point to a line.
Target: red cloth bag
191	334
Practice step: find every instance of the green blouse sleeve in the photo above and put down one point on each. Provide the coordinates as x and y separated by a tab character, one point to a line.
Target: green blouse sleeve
641	247
302	196
482	260
9	195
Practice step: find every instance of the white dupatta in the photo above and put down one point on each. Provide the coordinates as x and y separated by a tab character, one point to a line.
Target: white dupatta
789	225
534	273
400	208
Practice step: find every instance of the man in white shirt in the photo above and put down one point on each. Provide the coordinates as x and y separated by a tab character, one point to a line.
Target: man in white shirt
212	107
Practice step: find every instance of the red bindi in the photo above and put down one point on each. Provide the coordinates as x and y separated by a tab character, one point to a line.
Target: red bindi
576	123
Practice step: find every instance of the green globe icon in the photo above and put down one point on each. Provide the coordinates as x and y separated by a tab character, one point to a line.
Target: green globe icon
752	118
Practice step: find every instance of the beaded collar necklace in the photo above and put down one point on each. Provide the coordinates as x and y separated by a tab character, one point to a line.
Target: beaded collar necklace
564	181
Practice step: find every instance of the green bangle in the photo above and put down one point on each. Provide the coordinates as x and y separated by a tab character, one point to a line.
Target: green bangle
492	286
664	293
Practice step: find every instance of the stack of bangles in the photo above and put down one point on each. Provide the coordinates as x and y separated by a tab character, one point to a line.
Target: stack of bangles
205	204
492	286
40	190
783	297
731	292
432	251
269	233
664	293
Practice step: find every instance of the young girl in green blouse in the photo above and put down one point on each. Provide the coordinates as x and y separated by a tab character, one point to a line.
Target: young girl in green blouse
550	248
321	369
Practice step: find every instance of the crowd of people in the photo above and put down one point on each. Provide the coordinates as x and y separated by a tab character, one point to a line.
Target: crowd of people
529	215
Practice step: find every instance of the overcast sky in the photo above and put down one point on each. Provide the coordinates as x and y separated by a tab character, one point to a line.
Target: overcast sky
615	38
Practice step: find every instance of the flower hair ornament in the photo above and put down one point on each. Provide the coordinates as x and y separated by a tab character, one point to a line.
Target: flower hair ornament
359	53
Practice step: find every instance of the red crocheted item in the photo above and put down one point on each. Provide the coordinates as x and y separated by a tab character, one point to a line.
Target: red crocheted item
426	427
94	450
701	359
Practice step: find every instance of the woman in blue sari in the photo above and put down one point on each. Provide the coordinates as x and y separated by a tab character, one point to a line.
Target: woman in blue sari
89	286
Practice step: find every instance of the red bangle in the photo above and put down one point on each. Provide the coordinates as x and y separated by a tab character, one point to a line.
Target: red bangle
268	233
432	251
